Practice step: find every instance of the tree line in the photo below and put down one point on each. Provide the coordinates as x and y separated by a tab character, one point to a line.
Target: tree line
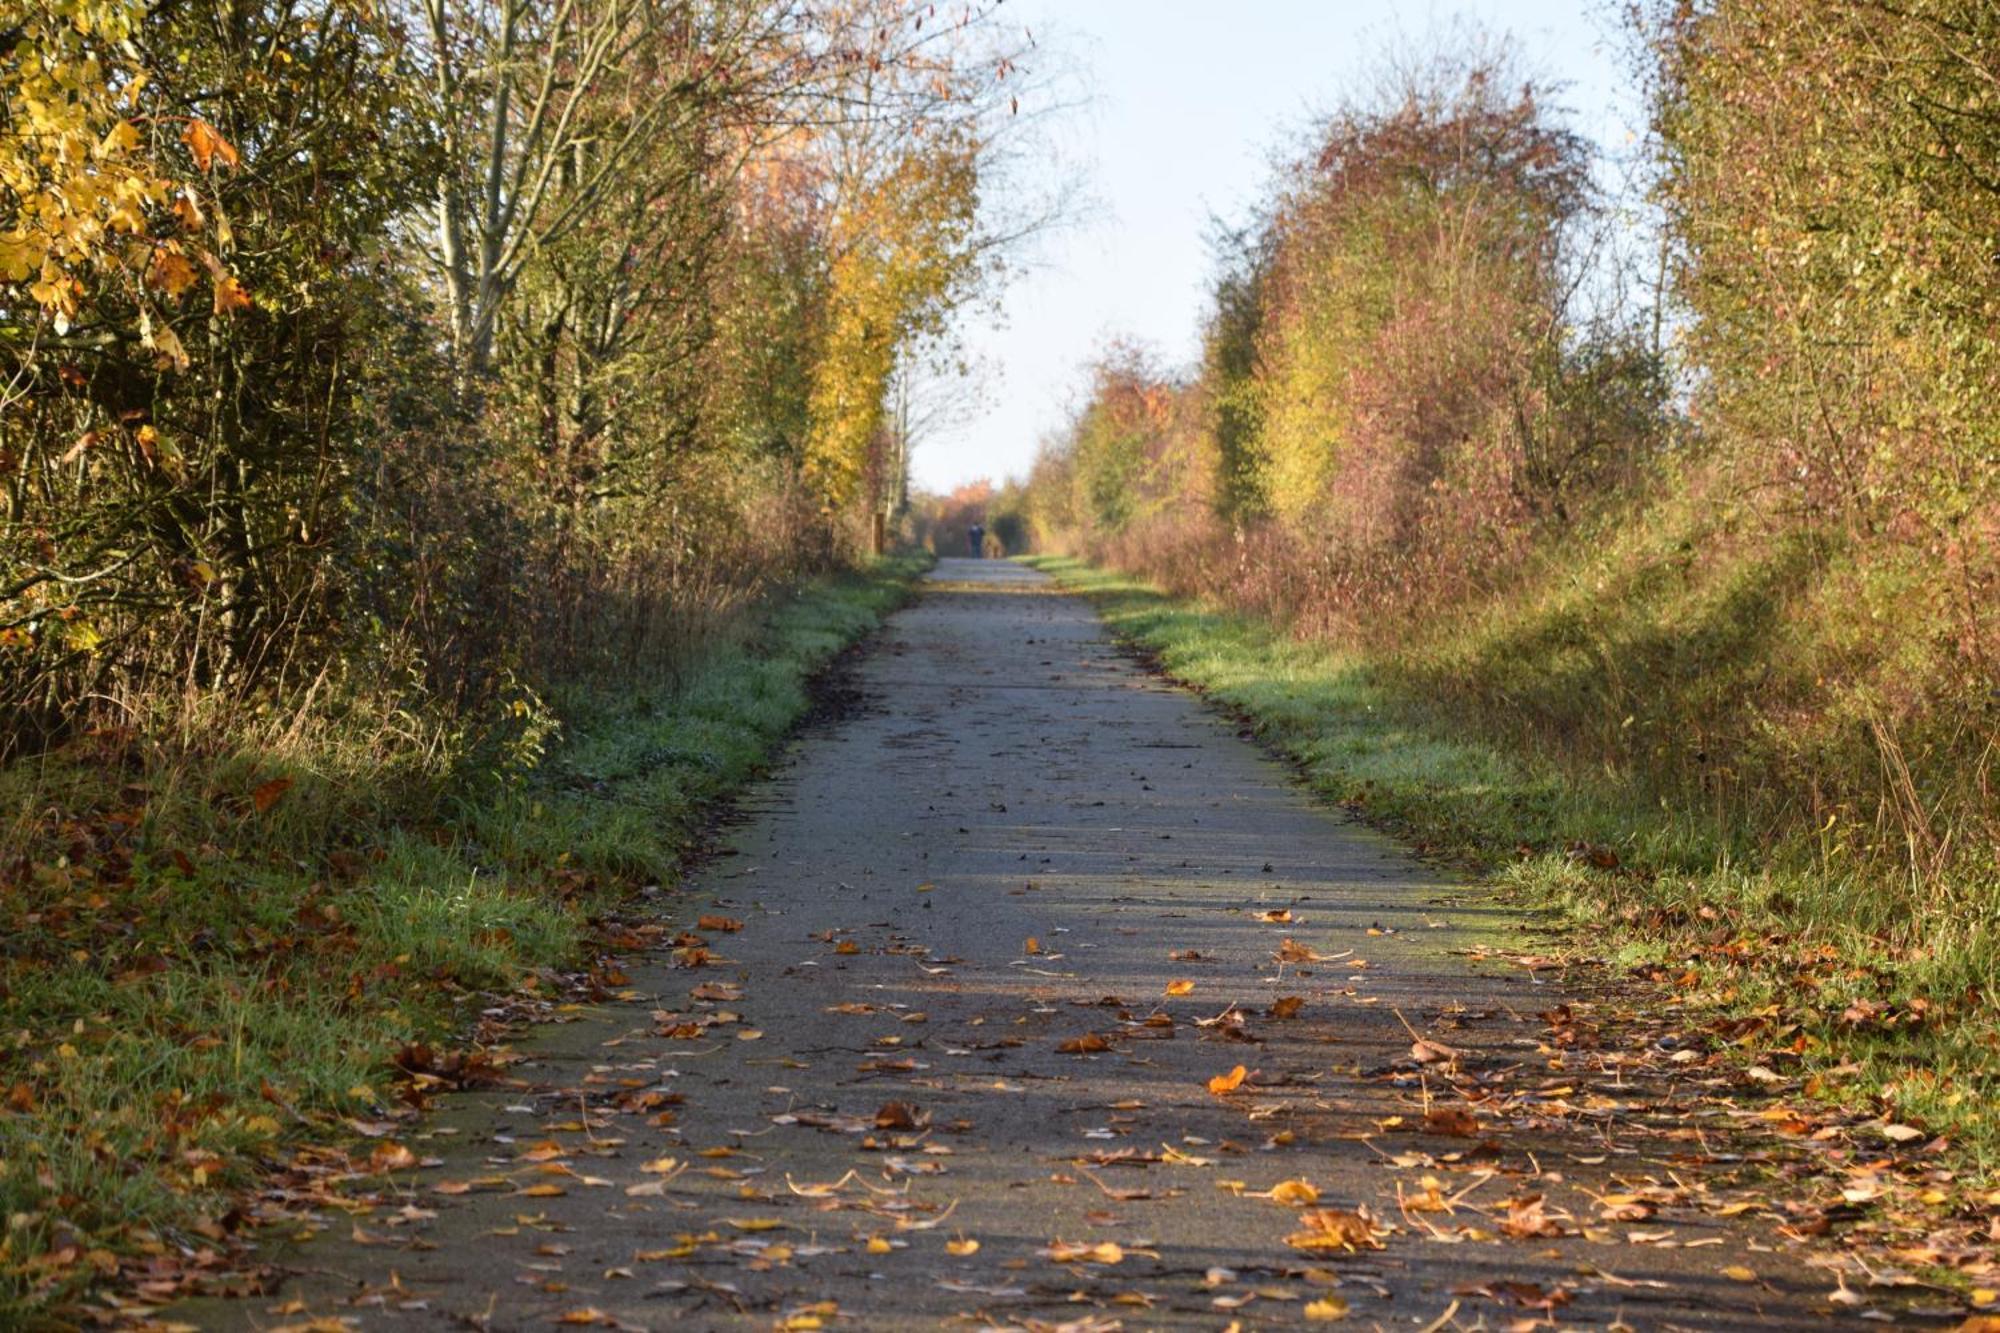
1696	485
445	349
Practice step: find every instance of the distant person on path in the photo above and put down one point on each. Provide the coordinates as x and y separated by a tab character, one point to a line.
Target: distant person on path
975	537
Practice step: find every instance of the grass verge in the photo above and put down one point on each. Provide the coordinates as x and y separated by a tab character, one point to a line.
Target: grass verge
1909	1037
209	956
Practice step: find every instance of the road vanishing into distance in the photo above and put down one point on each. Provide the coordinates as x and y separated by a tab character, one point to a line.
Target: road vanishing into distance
1056	1002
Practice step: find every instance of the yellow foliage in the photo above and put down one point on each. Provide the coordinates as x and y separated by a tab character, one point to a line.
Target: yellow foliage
903	247
80	189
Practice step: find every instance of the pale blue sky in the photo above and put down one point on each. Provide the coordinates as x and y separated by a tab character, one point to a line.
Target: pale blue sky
1190	101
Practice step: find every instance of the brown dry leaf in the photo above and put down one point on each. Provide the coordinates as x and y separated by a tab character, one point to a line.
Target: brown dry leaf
1291	951
725	924
847	946
1088	1044
717	990
543	1191
1456	1121
901	1115
1336	1229
1185	955
267	794
1033	946
1285	1006
1223	1084
1277	916
1528	1219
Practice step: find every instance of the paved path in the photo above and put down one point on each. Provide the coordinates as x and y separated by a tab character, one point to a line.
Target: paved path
1019	841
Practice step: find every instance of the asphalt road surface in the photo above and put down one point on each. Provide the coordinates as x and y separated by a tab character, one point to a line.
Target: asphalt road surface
1004	920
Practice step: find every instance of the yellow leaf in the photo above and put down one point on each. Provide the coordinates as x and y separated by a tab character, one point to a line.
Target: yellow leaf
230	296
1180	988
1297	1193
961	1248
1326	1309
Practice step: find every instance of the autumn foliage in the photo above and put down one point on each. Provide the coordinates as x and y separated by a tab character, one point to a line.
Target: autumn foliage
485	342
1734	546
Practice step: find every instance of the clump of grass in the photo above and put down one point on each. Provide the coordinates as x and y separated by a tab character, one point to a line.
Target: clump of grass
192	974
1751	926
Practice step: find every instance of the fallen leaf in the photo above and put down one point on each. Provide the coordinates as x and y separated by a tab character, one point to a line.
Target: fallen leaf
1067	1252
1223	1084
1336	1229
1456	1121
901	1115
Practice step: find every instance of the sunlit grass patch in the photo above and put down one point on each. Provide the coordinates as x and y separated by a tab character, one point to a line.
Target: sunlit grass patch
193	978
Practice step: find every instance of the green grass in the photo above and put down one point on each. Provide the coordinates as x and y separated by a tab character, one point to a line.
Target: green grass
1748	925
189	983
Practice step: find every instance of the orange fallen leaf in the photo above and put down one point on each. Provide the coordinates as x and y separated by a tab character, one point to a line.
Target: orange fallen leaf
1223	1084
1336	1229
901	1115
1287	1005
1180	988
725	924
1456	1121
1088	1044
391	1157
